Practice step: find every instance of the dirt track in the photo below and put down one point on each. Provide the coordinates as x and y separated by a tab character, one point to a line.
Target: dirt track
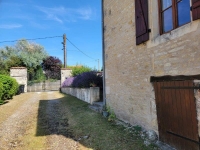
35	121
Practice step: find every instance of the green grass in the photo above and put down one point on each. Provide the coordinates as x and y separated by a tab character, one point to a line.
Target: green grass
103	135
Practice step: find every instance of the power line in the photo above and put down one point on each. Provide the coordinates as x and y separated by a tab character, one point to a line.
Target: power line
80	50
31	39
49	38
90	61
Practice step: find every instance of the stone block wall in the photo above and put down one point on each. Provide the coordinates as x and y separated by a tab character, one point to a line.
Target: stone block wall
128	67
197	98
20	74
88	95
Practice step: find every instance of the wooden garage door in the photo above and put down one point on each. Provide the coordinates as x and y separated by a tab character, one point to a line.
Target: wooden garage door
177	116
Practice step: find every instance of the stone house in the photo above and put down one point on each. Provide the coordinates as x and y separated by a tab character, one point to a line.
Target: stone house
151	51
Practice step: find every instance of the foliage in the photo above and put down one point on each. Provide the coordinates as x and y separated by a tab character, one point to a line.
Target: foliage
68	82
14	61
14	88
87	79
32	54
104	135
39	75
9	58
111	113
8	52
84	80
10	87
3	69
1	102
23	54
52	66
77	70
1	90
112	116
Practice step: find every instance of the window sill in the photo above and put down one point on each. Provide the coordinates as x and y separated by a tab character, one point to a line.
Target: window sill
173	34
175	28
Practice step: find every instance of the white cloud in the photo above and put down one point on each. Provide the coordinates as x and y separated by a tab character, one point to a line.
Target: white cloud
52	13
85	13
10	26
61	14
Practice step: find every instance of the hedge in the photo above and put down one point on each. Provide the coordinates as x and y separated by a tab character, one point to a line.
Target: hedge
10	87
1	90
79	70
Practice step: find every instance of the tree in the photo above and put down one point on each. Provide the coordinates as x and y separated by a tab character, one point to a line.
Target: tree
9	58
24	53
52	65
8	52
32	54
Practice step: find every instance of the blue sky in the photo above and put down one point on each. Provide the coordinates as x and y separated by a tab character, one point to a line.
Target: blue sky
80	20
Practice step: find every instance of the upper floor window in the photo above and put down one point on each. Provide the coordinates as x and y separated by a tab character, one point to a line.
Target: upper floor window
173	13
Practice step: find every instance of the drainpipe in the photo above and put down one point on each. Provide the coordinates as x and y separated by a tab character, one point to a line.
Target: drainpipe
103	52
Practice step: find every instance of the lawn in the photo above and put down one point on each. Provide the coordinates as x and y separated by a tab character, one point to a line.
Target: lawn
93	130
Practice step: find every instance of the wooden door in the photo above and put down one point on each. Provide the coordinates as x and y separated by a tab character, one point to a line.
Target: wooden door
177	116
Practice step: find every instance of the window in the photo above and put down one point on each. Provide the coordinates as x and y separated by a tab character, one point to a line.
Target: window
173	13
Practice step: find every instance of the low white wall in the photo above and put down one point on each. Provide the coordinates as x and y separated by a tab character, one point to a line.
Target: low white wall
88	95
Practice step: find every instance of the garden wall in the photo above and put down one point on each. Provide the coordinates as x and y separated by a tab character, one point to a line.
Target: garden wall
88	95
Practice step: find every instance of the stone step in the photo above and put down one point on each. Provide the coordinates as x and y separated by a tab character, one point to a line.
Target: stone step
94	108
97	106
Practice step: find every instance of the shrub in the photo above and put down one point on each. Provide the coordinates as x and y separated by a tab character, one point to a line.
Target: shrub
39	75
84	80
51	66
79	70
10	87
87	79
1	90
68	82
14	87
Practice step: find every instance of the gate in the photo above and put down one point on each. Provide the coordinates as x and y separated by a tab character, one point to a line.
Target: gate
176	112
44	86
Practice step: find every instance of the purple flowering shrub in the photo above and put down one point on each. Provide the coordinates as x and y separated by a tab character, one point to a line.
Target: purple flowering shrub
68	82
84	80
88	79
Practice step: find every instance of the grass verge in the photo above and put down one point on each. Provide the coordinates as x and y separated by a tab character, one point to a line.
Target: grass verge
94	131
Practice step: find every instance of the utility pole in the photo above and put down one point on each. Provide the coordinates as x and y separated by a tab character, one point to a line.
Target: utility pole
98	65
64	49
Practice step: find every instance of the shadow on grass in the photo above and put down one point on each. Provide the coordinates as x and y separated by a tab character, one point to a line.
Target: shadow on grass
3	102
51	120
72	118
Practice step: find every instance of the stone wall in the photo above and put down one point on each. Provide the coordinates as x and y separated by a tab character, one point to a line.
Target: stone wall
128	67
197	98
20	74
65	73
88	95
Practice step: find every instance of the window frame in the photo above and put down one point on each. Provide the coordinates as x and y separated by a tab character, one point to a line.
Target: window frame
174	16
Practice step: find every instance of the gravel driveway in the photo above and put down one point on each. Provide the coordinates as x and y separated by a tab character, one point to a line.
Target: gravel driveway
35	121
